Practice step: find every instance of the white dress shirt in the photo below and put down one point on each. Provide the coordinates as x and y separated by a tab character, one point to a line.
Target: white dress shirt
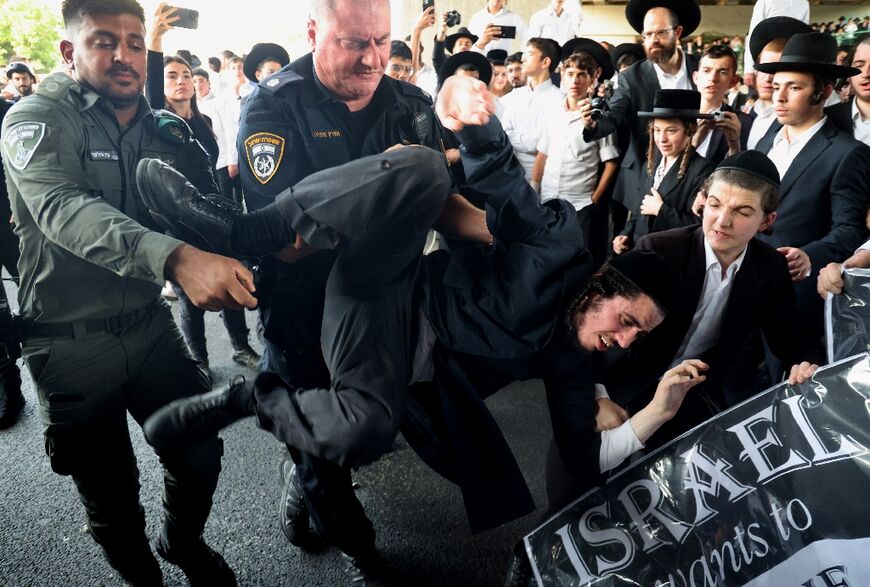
783	152
571	172
225	123
524	110
675	81
799	9
505	17
764	117
707	321
860	124
561	28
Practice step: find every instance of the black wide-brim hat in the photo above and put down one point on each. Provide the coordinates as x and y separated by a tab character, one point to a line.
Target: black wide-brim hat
450	41
688	13
635	49
775	27
497	56
484	67
594	49
810	53
262	51
680	104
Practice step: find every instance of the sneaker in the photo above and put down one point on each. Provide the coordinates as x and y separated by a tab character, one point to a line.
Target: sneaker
295	521
168	292
189	419
201	564
247	357
369	570
11	398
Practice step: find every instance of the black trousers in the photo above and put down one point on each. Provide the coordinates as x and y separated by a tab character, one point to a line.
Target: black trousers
231	187
379	209
192	324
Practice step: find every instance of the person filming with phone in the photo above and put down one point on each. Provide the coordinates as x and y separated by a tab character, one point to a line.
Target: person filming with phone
496	27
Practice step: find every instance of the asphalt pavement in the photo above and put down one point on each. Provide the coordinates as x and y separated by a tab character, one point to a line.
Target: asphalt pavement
419	517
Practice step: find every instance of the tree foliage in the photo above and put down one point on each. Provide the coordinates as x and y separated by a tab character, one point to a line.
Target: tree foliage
30	29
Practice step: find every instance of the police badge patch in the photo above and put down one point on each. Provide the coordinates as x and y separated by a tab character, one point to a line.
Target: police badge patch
22	140
264	151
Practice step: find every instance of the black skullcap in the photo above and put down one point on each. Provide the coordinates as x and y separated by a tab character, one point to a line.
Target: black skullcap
649	272
754	163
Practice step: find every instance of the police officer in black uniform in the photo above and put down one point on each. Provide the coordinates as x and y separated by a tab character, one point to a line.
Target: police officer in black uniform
328	108
11	399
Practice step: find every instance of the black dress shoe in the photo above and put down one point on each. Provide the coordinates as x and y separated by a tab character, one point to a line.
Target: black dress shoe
205	221
11	399
368	570
202	565
295	521
190	419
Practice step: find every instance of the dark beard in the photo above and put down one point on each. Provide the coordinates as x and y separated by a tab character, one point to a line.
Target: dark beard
664	55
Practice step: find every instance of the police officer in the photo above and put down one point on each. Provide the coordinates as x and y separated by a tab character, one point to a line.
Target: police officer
95	335
330	107
11	399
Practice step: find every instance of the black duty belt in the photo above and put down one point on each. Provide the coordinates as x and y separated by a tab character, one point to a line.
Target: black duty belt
111	325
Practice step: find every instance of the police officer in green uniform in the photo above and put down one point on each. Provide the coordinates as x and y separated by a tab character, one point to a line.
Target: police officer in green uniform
95	335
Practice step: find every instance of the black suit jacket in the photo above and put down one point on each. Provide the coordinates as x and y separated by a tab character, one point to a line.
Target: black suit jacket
823	197
635	93
678	195
762	296
841	115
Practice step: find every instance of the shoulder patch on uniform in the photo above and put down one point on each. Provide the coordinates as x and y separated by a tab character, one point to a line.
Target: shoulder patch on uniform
264	152
278	80
22	139
172	128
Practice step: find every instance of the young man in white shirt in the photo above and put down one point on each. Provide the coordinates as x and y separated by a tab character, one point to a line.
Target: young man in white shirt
487	23
853	116
524	108
716	74
567	166
557	21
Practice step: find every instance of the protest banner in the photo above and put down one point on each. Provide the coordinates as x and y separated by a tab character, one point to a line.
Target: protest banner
847	316
772	492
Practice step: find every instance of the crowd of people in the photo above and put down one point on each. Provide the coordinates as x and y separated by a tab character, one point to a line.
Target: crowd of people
640	226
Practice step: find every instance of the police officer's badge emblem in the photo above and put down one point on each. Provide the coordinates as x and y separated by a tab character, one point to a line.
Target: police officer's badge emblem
264	151
22	140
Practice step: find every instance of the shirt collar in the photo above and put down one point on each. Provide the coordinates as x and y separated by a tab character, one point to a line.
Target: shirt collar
544	85
713	262
803	138
764	111
856	114
681	71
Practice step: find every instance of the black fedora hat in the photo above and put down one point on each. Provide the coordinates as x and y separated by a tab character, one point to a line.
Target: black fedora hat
192	60
681	104
688	13
775	27
594	49
497	56
260	52
450	41
484	67
754	163
635	49
810	53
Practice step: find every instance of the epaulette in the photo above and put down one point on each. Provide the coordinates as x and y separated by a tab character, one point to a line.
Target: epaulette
278	80
415	92
56	86
171	127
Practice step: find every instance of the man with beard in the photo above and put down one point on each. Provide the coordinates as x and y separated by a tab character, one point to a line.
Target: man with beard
22	78
662	23
96	336
853	116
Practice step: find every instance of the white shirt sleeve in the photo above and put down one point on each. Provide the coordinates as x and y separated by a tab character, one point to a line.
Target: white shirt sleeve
617	445
865	246
607	149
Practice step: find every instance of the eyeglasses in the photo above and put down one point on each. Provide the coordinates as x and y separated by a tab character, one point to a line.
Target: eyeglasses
396	68
648	35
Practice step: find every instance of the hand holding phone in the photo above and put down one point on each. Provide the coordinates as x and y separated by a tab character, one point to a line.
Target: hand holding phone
187	18
508	32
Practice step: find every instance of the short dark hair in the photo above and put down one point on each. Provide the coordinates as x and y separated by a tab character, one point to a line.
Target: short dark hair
214	63
859	41
226	54
265	60
201	73
74	11
235	59
740	179
720	52
400	50
514	58
626	59
582	61
548	48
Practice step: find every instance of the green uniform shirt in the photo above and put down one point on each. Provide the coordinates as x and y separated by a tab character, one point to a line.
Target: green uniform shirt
86	250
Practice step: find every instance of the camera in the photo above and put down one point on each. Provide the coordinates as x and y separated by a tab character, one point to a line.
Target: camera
598	107
718	115
453	18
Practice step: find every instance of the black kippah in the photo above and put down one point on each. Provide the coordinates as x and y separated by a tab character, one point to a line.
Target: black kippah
754	163
649	272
